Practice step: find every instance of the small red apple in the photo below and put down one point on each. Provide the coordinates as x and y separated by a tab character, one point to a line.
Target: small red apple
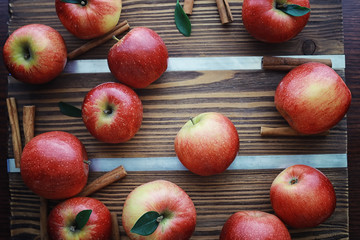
207	144
112	112
35	54
159	210
70	220
312	98
54	165
87	19
139	58
249	225
302	196
275	20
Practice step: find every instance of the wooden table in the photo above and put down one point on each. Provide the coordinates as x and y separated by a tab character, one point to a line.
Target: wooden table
328	44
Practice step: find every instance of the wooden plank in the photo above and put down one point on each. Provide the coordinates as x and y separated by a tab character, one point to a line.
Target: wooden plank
246	97
215	199
322	35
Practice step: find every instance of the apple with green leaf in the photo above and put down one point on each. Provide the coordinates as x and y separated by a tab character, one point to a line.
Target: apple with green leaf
35	54
139	58
302	196
87	19
159	210
250	225
275	21
312	98
55	165
112	112
80	218
207	144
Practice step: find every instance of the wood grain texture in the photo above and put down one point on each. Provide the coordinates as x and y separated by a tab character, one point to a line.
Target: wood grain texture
215	199
322	35
246	97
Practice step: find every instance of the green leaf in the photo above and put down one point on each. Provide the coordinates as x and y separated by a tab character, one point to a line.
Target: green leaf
82	218
69	110
147	223
182	20
72	1
295	10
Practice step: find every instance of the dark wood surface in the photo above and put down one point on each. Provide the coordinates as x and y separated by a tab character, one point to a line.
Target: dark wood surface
352	42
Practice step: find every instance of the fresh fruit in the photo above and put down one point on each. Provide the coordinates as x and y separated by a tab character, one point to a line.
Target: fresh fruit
87	19
302	196
112	112
207	144
35	54
54	165
275	21
139	58
249	225
80	218
312	98
159	210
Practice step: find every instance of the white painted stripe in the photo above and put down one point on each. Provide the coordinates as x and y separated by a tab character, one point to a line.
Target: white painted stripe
197	63
241	162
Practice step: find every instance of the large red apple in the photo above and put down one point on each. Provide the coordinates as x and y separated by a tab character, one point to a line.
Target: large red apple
270	20
312	98
54	165
159	210
35	53
139	58
112	112
250	225
87	19
207	144
64	221
302	196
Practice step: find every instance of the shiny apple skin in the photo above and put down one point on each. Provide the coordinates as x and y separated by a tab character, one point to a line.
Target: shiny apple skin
312	98
53	165
268	24
167	199
63	215
95	19
125	119
139	58
308	202
250	225
47	54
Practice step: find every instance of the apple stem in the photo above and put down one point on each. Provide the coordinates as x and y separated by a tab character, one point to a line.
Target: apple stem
83	3
281	5
192	120
160	218
87	162
115	38
293	181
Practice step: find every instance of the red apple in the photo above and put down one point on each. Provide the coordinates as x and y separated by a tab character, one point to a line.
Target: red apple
87	19
35	54
162	208
112	112
63	222
54	165
207	144
139	58
249	225
312	98
302	196
270	20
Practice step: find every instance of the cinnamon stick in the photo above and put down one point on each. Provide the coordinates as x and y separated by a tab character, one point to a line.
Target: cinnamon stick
103	181
15	129
285	131
43	219
29	122
118	29
115	232
224	11
188	6
288	63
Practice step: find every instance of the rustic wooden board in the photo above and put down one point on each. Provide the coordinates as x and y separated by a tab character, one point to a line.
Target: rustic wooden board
245	96
215	199
322	35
